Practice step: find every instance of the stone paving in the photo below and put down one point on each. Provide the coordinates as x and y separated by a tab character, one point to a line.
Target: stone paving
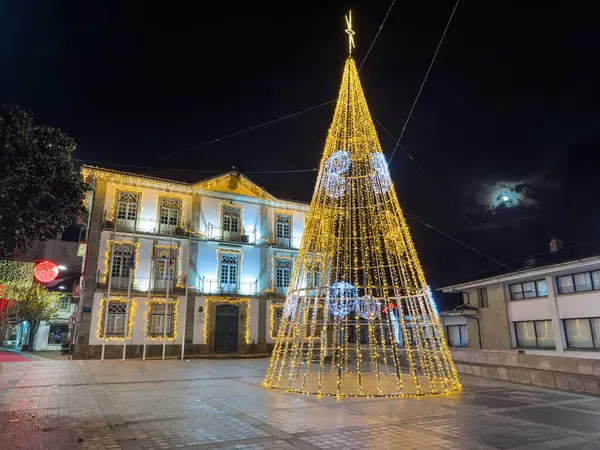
202	404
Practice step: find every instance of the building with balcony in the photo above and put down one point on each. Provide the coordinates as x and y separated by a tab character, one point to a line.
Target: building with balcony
546	304
221	251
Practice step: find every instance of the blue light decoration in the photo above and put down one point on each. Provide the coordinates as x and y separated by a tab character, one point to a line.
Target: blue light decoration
335	167
432	300
342	298
367	308
380	180
290	306
394	318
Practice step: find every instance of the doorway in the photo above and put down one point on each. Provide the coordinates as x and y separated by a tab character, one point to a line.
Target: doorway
226	329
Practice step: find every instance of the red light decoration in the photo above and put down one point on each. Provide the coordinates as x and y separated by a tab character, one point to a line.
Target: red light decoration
45	271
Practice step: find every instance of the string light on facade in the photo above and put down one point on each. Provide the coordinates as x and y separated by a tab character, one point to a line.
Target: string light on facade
103	311
227	301
360	320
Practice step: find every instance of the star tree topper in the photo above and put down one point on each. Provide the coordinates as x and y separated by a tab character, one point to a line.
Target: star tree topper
350	32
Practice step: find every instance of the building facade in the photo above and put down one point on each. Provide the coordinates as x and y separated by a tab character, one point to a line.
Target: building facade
221	251
548	306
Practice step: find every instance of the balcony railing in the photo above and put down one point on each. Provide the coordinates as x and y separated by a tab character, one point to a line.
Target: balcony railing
214	287
284	242
144	226
219	234
141	284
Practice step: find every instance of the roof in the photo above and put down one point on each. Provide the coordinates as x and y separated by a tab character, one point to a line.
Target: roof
548	259
230	182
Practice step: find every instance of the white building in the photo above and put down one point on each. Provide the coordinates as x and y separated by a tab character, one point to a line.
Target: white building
548	305
223	249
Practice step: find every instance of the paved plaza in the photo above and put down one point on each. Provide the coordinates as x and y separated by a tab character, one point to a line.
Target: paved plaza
221	404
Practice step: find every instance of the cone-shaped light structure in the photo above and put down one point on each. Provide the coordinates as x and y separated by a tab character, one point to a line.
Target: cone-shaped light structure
359	319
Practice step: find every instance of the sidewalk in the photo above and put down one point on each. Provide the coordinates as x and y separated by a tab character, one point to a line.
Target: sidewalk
13	355
8	356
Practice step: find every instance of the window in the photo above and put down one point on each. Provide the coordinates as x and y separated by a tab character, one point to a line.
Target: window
538	333
277	315
229	272
231	219
164	267
157	319
578	282
169	213
127	207
58	334
283	268
579	333
316	277
529	289
457	335
116	318
283	224
64	303
122	261
483	298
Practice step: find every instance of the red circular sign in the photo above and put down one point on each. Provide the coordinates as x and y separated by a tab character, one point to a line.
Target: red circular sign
45	271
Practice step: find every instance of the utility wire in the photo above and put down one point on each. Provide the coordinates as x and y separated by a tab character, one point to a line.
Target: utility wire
279	119
237	133
377	35
450	199
459	242
424	80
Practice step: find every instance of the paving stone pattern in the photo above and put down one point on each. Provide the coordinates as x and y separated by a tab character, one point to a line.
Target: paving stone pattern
133	405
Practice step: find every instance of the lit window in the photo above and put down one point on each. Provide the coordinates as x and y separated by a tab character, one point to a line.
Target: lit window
115	321
229	273
230	219
283	227
127	208
579	333
538	333
170	209
122	262
283	268
157	319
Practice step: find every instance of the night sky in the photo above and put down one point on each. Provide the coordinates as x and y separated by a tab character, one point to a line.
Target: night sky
510	107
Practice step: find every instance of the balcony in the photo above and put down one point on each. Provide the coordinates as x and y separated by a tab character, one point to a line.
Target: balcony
144	226
284	242
140	284
206	286
219	234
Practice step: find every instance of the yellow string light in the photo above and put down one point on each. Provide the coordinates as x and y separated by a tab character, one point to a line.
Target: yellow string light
161	301
227	301
103	309
107	254
380	335
181	200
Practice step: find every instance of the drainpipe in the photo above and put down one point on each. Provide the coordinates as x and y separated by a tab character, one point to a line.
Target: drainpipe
462	313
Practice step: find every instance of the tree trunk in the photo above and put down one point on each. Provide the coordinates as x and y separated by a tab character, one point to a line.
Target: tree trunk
33	328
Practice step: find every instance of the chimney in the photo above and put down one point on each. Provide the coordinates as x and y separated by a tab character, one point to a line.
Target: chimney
555	244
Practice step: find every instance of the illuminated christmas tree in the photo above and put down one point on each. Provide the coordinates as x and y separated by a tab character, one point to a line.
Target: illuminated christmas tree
359	318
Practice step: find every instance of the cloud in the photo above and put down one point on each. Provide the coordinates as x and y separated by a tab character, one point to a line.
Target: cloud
503	203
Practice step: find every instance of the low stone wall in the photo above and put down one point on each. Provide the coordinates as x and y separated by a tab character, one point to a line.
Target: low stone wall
573	374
